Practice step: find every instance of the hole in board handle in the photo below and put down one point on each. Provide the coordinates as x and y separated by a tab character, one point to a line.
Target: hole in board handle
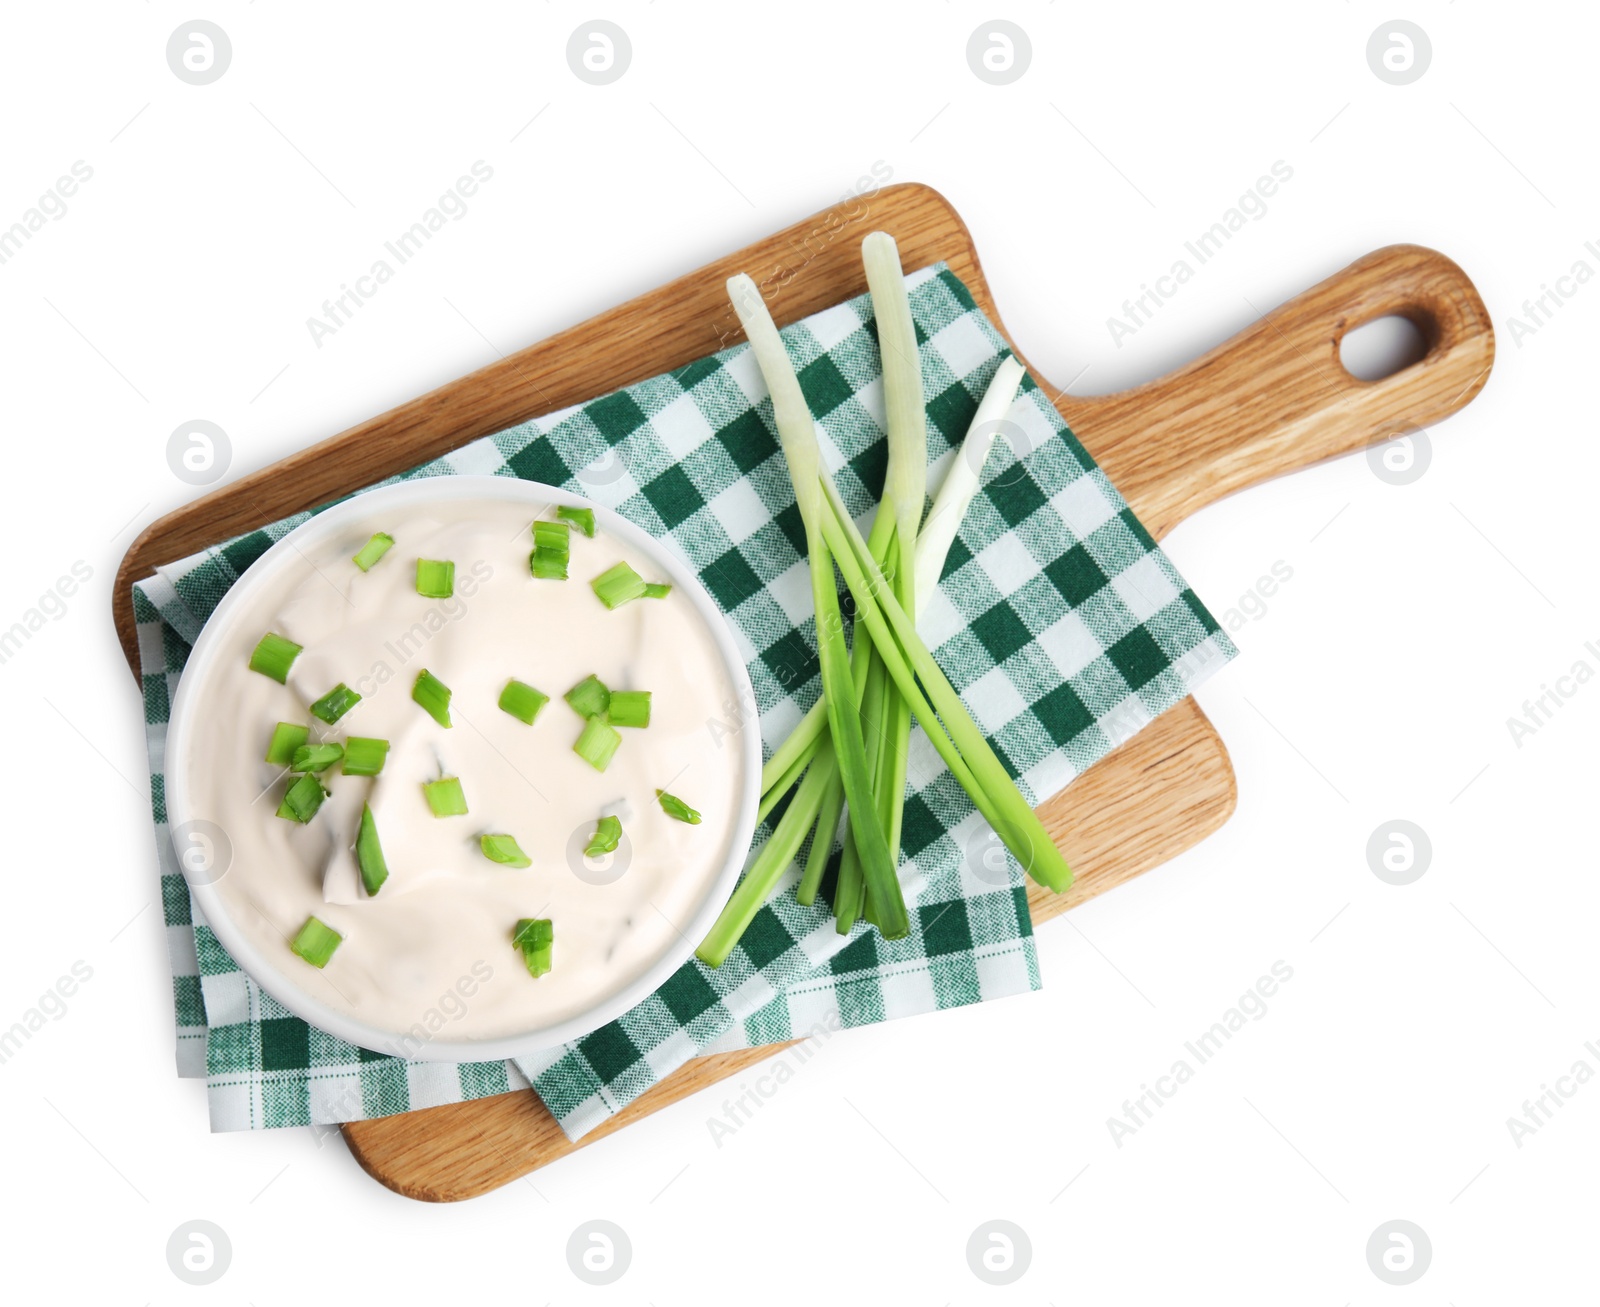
1382	347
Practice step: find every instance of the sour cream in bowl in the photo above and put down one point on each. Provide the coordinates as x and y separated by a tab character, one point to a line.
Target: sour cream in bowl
494	886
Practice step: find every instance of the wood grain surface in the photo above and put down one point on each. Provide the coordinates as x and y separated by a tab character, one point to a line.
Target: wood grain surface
1272	399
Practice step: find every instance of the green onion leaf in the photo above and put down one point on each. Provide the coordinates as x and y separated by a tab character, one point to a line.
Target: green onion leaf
316	942
364	756
629	708
302	799
676	808
369	853
315	757
522	701
657	590
274	655
618	585
335	704
369	553
535	937
607	835
505	850
589	697
436	579
582	518
598	744
286	738
434	695
445	797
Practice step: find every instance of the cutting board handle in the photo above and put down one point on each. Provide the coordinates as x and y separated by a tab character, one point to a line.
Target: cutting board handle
1276	398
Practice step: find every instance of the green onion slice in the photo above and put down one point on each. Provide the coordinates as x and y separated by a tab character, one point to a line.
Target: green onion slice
598	744
446	797
274	655
335	704
657	590
436	578
582	518
535	937
607	835
589	697
547	566
369	853
302	799
629	708
369	553
676	808
522	701
315	757
286	738
551	548
434	695
618	585
364	756
505	850
316	942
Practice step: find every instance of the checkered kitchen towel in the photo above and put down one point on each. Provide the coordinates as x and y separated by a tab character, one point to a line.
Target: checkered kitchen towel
1058	618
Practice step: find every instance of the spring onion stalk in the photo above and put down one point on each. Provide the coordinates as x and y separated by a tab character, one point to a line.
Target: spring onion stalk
535	937
822	836
273	656
436	578
369	553
774	792
618	585
657	590
598	743
589	697
763	874
445	797
798	437
286	738
505	850
629	708
434	696
677	809
551	549
369	853
582	518
522	701
302	799
315	757
962	481
907	659
316	942
364	756
849	898
335	704
607	835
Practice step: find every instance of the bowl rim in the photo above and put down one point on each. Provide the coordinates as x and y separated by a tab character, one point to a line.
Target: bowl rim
277	981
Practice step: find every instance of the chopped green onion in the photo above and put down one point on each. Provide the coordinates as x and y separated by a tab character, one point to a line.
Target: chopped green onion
286	738
657	590
302	799
335	704
551	548
676	808
436	579
582	518
369	553
315	757
618	585
555	536
535	937
369	853
434	696
445	797
547	567
364	756
598	744
629	708
316	942
589	697
607	835
274	655
505	850
522	701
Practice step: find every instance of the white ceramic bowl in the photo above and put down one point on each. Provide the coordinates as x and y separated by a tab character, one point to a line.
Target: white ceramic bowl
203	663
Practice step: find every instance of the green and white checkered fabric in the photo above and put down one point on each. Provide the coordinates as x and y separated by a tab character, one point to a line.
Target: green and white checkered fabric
1061	622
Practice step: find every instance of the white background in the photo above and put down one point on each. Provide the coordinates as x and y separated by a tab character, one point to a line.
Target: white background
1376	684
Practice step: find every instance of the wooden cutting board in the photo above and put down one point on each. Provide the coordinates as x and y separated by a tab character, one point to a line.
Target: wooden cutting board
1273	399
